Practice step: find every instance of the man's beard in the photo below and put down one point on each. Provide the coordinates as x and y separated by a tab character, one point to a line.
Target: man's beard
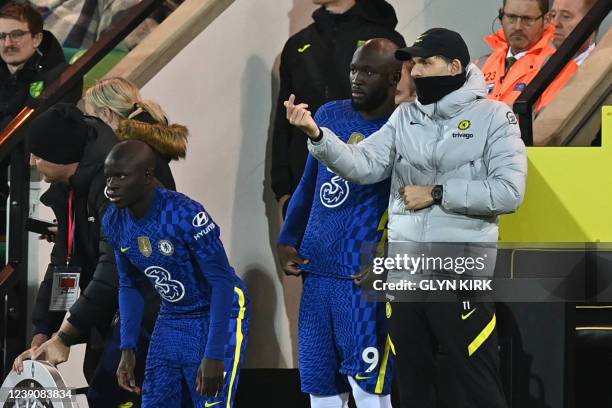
371	102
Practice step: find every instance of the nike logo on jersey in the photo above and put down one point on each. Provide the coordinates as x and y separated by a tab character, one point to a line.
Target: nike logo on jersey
124	249
362	377
465	316
304	48
211	404
414	123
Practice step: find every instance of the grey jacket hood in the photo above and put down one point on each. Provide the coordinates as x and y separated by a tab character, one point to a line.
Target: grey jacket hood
466	143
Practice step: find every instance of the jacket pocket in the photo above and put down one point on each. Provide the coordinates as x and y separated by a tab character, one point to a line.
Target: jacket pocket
397	206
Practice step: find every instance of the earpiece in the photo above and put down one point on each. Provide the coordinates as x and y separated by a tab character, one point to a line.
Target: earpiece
498	17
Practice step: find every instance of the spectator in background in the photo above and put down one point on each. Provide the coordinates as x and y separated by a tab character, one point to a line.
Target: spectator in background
565	15
406	91
119	104
520	48
79	23
31	59
315	65
69	149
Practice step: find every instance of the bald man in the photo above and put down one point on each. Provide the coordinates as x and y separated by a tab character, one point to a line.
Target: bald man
198	344
330	224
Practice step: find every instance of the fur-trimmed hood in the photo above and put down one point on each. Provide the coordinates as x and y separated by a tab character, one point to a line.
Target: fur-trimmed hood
168	140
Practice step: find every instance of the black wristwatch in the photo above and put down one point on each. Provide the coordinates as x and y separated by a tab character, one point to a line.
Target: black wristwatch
436	193
67	339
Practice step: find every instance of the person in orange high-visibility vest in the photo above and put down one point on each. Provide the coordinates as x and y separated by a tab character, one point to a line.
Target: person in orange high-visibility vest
520	48
553	89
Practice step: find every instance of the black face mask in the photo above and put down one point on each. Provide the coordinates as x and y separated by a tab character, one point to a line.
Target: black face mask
432	89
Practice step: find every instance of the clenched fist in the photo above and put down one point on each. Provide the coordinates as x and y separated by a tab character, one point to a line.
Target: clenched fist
416	197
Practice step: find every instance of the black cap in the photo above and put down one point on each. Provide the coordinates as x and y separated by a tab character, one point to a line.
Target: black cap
437	41
58	135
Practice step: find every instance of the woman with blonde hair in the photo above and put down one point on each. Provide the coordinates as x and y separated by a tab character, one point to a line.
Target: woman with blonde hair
118	103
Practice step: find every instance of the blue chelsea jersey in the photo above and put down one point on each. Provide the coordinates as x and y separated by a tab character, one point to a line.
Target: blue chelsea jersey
169	246
337	224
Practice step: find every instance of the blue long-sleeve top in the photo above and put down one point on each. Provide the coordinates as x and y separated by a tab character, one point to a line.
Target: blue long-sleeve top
334	223
177	247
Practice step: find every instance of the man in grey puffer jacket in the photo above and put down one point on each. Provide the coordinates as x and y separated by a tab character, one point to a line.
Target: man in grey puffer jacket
456	161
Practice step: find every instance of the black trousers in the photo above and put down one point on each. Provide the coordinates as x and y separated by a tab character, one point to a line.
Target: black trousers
447	354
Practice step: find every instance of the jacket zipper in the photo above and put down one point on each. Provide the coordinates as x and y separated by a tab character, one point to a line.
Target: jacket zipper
439	136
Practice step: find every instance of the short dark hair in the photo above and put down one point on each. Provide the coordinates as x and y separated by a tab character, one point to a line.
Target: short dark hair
449	61
543	4
23	11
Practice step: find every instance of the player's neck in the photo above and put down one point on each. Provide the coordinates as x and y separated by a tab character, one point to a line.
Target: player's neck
141	208
384	110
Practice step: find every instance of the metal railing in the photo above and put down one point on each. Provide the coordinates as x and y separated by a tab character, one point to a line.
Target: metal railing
13	277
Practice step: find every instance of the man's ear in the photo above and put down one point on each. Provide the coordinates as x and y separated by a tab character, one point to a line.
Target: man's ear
456	67
37	39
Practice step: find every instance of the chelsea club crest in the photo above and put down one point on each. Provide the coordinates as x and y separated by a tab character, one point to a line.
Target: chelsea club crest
165	247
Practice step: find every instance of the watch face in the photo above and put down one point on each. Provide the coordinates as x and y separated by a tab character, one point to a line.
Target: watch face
436	193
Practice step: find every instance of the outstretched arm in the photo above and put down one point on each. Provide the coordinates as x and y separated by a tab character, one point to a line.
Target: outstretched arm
367	162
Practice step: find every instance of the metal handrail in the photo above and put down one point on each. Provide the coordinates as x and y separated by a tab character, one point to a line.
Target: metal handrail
11	134
13	277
